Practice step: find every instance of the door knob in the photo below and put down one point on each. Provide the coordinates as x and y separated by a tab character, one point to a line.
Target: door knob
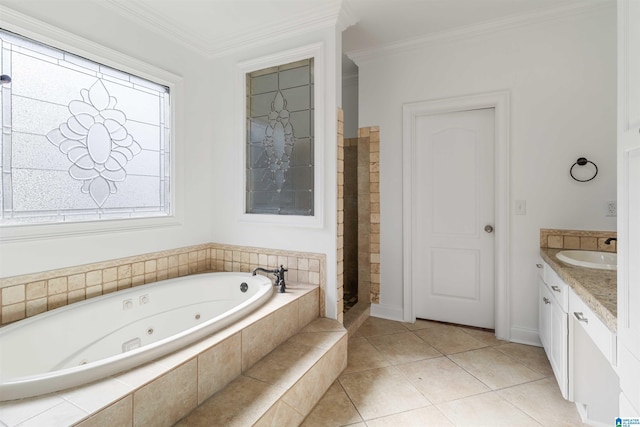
488	228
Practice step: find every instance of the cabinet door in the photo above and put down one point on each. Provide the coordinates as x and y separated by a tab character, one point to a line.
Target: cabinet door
629	200
544	316
595	383
559	341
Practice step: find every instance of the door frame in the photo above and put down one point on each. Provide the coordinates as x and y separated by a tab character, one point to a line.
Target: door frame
499	101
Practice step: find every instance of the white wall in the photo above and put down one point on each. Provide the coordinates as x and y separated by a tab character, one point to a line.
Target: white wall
561	75
229	169
194	142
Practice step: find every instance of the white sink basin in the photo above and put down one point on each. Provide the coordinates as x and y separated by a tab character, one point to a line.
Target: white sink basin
590	259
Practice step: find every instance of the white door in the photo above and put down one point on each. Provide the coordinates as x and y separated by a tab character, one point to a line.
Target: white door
453	218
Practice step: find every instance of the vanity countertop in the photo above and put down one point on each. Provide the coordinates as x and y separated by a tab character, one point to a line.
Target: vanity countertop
597	288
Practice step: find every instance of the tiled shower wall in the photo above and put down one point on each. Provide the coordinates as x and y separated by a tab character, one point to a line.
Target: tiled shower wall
340	204
368	143
364	218
373	133
352	236
31	294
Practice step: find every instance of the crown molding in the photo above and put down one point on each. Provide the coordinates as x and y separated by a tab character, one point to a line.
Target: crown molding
484	28
146	17
30	27
320	16
350	79
347	17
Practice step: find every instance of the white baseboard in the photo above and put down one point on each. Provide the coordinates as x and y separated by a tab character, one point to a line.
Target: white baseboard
525	336
390	312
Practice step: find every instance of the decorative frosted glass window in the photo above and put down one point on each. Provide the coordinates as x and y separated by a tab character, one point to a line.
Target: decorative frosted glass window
81	141
280	164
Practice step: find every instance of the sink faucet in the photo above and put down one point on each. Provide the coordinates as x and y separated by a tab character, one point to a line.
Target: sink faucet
278	272
609	240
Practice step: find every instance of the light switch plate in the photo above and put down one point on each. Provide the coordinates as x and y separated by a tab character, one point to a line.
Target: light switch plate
521	207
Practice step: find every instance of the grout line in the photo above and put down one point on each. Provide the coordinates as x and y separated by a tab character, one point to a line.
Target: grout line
522	363
517	407
350	400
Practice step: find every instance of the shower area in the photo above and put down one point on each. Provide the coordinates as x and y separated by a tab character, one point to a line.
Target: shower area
361	223
357	269
358	205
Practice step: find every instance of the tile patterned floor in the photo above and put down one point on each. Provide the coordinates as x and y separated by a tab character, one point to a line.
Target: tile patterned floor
432	374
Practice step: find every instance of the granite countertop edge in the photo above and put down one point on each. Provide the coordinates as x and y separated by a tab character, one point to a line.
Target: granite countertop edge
597	288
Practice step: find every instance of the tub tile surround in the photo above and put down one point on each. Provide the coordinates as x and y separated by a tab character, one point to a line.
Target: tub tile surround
31	294
181	381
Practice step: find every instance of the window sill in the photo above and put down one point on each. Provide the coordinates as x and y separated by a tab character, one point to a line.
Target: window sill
283	220
11	233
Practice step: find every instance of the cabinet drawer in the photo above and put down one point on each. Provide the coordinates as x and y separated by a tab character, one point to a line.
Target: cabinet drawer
559	289
602	336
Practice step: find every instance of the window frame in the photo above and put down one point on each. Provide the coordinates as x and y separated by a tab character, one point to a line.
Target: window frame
76	45
315	51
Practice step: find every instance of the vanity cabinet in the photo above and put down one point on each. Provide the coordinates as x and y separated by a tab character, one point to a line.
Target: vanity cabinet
580	347
594	384
553	323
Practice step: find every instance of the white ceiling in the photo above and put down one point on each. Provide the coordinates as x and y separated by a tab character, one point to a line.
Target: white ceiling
383	22
213	27
392	23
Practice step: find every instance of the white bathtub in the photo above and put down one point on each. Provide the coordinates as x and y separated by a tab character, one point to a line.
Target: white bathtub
102	336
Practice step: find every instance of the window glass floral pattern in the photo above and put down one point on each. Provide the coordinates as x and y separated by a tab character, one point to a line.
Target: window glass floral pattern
81	141
280	140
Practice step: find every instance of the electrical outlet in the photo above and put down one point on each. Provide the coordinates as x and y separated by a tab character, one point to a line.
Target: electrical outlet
612	208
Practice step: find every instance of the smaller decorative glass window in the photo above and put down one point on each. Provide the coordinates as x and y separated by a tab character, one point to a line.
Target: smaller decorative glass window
280	140
81	141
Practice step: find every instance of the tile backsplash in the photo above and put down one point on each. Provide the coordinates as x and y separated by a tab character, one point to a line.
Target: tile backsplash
27	295
577	239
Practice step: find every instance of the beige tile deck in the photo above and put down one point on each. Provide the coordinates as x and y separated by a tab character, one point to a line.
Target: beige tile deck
477	380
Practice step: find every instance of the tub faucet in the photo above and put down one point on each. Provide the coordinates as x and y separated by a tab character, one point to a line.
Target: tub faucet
279	273
609	240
